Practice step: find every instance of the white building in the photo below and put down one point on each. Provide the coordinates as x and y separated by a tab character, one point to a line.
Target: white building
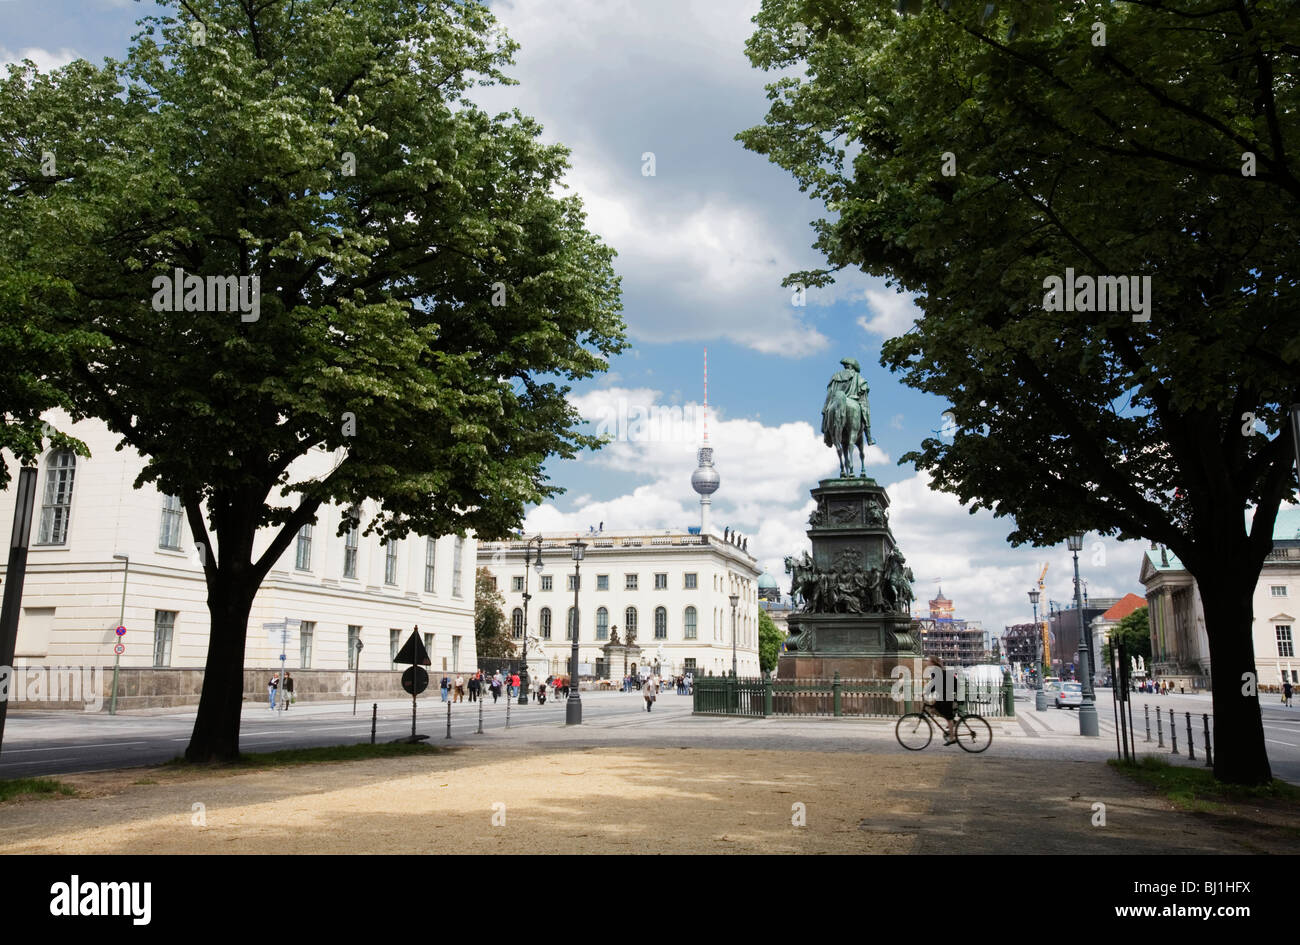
1180	648
341	588
671	588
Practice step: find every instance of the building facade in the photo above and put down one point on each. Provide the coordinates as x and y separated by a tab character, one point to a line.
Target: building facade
954	641
668	590
105	554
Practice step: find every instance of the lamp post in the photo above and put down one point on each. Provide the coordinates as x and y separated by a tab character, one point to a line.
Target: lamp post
356	676
573	708
528	562
1087	711
1040	697
735	599
121	616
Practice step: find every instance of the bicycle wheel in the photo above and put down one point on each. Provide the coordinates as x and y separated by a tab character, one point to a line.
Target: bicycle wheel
914	731
974	733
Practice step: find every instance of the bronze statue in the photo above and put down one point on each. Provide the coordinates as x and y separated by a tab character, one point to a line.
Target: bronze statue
846	418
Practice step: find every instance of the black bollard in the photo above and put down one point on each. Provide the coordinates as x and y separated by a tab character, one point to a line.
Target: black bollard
1173	731
480	717
1160	730
1146	712
374	720
1209	758
449	720
1191	742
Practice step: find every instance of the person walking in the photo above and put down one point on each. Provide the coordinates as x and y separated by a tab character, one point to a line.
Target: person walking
648	691
1287	690
271	688
541	693
445	685
475	684
496	688
287	696
514	684
460	689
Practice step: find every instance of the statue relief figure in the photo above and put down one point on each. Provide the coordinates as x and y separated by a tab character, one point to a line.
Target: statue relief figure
846	417
875	514
900	580
875	581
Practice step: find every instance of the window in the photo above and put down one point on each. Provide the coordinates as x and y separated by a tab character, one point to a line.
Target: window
457	558
164	623
546	623
394	644
1277	590
689	664
169	532
428	644
350	552
571	579
1284	643
661	623
629	621
602	582
629	582
517	624
661	582
390	563
303	561
306	632
572	622
430	560
56	507
516	584
602	624
691	581
354	636
455	654
546	582
492	581
690	623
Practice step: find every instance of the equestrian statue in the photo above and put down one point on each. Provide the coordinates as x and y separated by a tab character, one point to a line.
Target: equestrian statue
846	419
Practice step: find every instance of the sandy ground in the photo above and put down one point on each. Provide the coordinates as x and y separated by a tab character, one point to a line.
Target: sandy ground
621	800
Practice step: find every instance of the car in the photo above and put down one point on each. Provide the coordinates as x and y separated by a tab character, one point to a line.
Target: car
1069	695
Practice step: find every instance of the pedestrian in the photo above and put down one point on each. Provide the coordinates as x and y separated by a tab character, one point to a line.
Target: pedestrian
445	685
496	688
475	686
271	688
460	689
1286	693
514	684
288	697
648	692
541	694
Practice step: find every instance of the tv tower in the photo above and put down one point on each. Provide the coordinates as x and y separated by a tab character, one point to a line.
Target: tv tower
705	479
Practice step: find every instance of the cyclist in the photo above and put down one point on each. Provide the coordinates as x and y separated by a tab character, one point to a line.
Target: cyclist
947	705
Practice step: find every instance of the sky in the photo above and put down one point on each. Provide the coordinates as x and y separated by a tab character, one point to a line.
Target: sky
704	243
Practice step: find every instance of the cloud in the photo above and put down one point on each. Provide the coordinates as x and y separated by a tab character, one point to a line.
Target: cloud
892	312
46	61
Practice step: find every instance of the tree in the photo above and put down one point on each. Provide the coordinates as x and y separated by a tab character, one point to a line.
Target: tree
1133	632
423	289
994	157
491	633
770	639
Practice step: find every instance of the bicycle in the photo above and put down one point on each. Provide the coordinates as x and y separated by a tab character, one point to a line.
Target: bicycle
915	730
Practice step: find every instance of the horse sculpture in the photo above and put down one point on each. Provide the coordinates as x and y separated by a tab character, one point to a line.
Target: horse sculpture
846	420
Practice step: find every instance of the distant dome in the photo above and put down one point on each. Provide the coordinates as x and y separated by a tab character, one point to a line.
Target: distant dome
766	581
768	589
706	480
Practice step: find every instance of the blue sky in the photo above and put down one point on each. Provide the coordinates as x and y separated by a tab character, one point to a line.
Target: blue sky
703	246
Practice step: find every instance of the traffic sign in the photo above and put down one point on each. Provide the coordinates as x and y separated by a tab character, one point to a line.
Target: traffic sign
121	631
415	680
119	649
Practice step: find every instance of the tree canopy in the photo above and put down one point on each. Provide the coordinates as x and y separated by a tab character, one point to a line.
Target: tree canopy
770	639
491	632
424	288
986	156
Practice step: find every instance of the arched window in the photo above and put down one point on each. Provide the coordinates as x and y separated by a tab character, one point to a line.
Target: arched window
629	621
546	623
517	624
661	623
569	627
602	624
690	623
56	507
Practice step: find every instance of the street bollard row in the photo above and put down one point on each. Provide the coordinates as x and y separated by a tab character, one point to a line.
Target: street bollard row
1173	733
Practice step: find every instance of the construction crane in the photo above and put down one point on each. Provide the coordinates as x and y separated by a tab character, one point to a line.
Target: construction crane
1042	629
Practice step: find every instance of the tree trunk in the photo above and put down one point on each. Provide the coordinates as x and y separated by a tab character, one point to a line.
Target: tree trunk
1239	753
216	728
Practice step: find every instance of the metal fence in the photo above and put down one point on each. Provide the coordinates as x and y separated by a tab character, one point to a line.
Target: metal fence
833	698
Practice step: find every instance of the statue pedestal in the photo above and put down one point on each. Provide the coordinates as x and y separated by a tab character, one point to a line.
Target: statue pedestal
856	619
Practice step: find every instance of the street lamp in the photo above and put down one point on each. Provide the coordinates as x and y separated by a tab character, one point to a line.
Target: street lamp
356	676
1087	711
1040	697
573	708
121	616
735	599
528	562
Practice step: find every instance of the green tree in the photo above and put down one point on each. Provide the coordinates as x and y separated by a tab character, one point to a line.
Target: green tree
1133	632
972	154
491	633
770	639
424	287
